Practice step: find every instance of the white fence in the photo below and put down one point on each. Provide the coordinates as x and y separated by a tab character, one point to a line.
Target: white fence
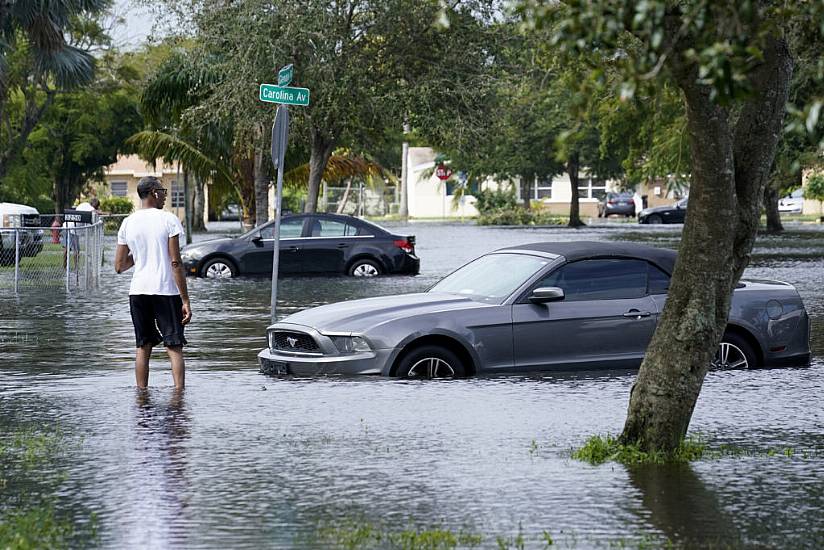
54	255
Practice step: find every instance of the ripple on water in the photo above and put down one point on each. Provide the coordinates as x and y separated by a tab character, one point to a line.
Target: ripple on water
243	460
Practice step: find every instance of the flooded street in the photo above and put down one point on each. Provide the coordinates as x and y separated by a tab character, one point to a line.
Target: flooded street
241	460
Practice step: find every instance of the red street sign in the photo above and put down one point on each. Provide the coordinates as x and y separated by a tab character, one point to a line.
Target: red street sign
443	172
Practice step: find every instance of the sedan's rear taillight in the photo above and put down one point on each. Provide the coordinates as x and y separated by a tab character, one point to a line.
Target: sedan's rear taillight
404	245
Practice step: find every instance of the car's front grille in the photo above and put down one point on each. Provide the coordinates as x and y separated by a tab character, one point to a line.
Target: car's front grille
295	342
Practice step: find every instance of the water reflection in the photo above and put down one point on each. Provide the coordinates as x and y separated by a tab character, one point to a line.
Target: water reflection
682	507
161	433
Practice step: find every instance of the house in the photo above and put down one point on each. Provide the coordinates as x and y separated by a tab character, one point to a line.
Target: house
429	197
121	181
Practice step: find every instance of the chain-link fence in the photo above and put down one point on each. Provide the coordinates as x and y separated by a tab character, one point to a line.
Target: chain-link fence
50	253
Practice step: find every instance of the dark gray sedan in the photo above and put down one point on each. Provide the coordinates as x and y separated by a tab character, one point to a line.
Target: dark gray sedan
536	307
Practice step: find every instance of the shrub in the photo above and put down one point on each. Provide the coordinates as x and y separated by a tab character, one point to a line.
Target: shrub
489	201
519	216
115	206
598	450
815	188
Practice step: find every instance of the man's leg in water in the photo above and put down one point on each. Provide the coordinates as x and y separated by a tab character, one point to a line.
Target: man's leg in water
141	366
178	365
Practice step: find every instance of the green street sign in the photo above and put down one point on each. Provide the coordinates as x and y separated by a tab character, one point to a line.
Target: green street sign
285	75
285	95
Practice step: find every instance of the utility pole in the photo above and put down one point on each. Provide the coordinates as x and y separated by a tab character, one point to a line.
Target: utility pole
404	207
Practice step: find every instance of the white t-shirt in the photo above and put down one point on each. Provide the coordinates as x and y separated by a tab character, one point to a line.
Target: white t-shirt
147	233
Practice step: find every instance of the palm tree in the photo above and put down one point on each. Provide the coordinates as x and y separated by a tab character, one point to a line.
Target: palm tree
39	29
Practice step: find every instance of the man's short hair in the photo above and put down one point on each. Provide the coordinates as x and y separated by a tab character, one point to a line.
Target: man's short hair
95	203
146	185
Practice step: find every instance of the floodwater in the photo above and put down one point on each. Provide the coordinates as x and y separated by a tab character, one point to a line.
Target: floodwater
241	460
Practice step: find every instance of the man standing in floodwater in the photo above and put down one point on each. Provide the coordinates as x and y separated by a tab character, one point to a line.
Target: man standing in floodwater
149	241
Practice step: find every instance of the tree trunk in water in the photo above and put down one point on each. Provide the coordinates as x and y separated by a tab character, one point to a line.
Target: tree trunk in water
199	201
574	203
730	167
261	181
774	224
345	198
321	151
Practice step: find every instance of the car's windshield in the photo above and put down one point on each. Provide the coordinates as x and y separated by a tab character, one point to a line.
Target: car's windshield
683	202
491	278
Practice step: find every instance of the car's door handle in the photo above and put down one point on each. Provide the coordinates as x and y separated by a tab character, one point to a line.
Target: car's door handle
293	248
637	314
343	245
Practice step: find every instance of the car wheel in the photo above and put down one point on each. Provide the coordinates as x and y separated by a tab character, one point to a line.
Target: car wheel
734	352
655	219
218	268
431	362
364	268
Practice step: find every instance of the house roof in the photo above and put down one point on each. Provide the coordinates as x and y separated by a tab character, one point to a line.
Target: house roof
579	250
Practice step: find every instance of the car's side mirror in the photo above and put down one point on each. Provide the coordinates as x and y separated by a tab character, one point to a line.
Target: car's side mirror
257	240
546	294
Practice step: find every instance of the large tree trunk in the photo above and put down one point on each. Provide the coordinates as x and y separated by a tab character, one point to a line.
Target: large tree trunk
730	167
774	224
245	186
199	201
318	159
573	165
261	181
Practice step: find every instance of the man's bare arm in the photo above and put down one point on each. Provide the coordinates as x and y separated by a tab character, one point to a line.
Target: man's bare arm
123	260
180	276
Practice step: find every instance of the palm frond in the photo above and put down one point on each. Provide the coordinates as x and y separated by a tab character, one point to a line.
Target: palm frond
342	165
153	145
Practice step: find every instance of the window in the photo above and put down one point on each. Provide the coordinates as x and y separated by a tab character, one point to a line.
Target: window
658	280
600	279
472	187
591	188
178	198
119	188
291	228
330	228
542	189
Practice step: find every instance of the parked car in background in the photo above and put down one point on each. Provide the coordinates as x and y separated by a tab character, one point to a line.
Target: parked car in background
792	203
231	213
309	243
535	307
31	240
616	203
665	214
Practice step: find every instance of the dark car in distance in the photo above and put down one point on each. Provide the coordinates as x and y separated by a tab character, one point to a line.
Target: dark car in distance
309	243
665	214
616	203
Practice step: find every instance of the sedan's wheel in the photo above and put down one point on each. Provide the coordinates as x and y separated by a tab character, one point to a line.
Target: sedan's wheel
655	219
734	352
431	362
218	269
364	268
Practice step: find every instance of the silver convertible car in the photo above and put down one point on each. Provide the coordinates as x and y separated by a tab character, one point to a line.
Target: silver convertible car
535	307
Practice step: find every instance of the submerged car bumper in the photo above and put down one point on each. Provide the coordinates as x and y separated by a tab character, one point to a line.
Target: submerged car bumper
274	363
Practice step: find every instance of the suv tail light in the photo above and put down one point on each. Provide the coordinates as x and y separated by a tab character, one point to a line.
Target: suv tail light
405	245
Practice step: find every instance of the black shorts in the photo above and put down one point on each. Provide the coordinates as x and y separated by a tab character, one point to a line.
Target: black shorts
155	315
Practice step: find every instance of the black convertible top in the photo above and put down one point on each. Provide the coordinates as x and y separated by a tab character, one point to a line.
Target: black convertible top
579	250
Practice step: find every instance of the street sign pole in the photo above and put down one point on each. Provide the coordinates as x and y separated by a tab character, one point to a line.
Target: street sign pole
280	135
284	95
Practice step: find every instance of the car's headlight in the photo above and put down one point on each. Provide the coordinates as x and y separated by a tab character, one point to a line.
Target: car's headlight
350	344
